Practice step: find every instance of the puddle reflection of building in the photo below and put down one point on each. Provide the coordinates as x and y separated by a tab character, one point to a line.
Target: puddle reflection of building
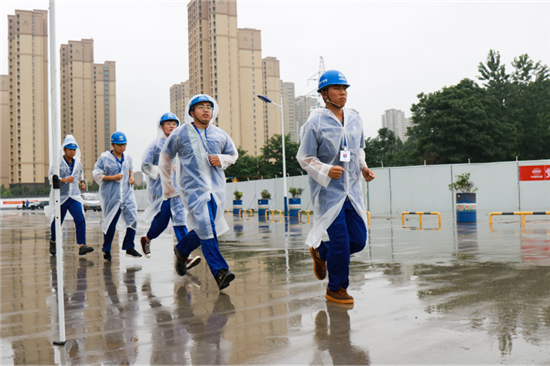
120	318
333	334
206	346
467	245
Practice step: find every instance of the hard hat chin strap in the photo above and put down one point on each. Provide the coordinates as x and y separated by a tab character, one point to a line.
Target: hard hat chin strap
331	102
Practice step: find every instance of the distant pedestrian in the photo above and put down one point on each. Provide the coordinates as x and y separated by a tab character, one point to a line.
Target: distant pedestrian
27	204
203	152
113	171
70	174
161	211
331	151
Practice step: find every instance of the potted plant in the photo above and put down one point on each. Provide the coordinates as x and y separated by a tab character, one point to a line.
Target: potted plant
263	203
466	208
294	204
237	202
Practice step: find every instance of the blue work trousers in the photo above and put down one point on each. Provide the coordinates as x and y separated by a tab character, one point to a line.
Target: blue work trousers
209	247
75	208
348	235
160	223
128	237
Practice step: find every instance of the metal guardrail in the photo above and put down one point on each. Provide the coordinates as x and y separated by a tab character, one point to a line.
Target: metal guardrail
522	213
420	217
273	215
245	211
300	215
368	217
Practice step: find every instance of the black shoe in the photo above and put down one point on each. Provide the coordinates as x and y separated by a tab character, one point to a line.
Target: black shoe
53	249
107	256
181	263
132	253
85	249
224	277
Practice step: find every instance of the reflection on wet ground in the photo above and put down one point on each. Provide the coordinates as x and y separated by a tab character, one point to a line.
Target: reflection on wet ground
463	294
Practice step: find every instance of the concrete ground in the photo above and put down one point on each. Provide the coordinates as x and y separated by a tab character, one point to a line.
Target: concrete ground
462	295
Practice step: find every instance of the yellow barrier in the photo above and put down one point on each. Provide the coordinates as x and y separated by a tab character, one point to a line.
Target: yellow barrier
227	211
300	215
251	214
273	215
420	217
368	217
522	213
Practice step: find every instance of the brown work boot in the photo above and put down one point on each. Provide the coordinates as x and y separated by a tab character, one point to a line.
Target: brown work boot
341	296
319	267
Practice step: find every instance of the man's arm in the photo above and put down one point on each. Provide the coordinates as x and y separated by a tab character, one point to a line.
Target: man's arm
228	156
307	158
147	166
165	167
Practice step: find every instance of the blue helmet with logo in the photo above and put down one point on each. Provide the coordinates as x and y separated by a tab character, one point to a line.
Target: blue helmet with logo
118	138
198	99
331	77
71	146
169	117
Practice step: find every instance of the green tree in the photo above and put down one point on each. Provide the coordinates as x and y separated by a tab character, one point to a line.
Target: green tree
528	107
271	160
385	149
246	166
458	123
5	192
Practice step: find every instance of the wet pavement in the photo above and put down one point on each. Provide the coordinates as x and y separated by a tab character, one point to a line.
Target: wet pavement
465	294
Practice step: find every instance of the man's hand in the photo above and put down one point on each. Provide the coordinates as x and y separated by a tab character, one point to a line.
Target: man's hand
214	160
336	172
83	185
368	174
118	176
68	179
131	180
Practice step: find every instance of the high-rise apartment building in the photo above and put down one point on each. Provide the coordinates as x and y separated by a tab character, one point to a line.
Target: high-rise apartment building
88	101
226	62
214	59
394	120
303	107
272	90
289	110
25	144
179	94
252	134
4	132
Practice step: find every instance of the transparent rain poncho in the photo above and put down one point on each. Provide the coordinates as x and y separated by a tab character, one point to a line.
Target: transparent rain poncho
149	167
115	194
67	190
322	139
197	179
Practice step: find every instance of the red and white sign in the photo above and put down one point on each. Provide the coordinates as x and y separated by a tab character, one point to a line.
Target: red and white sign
534	172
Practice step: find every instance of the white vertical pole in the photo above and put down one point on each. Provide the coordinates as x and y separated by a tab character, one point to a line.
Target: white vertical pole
284	154
54	143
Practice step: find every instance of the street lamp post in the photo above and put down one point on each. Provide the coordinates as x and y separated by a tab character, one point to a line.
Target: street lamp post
267	100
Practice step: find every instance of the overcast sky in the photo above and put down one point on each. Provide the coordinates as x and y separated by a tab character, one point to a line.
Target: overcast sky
389	51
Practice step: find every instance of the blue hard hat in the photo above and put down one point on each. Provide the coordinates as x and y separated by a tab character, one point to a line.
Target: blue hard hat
118	138
332	77
169	117
71	146
198	99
